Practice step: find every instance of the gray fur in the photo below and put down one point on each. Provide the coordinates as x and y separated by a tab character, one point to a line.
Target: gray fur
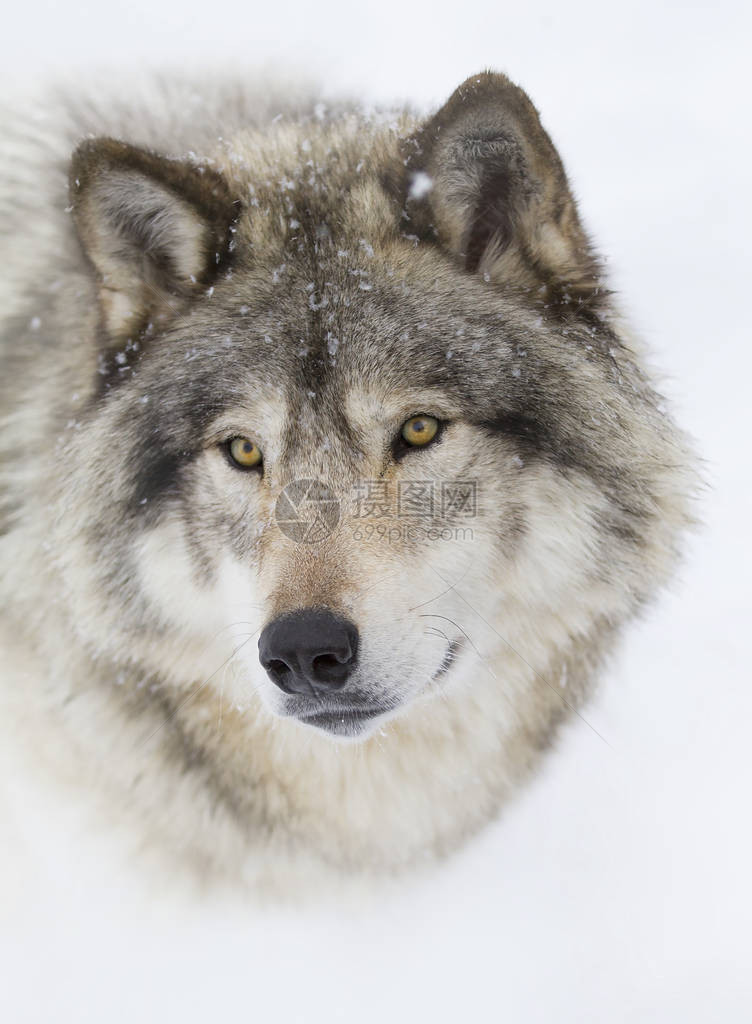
312	280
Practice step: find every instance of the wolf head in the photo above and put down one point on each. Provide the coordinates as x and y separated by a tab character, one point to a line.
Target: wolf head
364	419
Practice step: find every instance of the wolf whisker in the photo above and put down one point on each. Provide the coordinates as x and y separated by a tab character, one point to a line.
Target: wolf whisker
427	615
434	631
446	591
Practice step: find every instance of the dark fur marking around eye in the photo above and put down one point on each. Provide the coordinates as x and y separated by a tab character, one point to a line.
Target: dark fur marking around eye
158	477
537	439
157	462
519	426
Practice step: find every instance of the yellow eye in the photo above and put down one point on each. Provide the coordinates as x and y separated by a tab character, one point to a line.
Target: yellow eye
244	452
419	431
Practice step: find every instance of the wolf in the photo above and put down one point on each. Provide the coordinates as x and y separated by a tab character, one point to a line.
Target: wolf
331	469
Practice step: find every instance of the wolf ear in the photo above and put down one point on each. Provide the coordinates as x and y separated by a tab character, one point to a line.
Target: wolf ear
484	179
156	230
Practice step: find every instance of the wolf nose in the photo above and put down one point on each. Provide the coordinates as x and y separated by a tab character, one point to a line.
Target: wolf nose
310	652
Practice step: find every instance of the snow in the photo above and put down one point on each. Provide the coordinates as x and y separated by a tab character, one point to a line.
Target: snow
420	185
617	888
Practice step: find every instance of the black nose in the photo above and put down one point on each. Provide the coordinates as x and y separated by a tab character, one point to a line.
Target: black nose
311	652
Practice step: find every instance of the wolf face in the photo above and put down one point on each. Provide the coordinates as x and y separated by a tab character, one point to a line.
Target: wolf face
358	448
352	281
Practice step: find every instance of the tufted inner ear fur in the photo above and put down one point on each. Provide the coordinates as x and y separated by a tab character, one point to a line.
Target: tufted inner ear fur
483	179
155	230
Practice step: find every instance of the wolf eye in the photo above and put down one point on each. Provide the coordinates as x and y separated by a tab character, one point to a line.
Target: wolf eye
244	452
419	431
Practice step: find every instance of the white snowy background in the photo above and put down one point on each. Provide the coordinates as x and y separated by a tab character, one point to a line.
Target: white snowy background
617	889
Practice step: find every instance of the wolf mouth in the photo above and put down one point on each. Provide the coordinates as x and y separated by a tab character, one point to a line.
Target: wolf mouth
343	722
351	720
